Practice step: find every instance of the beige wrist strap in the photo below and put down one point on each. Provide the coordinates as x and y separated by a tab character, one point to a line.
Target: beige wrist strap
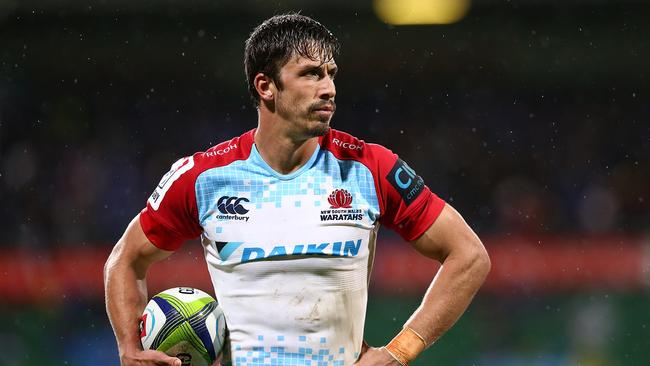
406	346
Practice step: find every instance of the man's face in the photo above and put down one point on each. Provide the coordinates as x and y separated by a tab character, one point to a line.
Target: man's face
306	98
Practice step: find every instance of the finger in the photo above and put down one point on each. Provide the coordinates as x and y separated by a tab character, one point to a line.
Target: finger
169	361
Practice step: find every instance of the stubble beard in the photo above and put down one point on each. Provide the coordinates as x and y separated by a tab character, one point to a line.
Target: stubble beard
323	125
320	129
314	125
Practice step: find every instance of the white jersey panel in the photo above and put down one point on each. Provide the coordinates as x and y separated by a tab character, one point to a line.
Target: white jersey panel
289	257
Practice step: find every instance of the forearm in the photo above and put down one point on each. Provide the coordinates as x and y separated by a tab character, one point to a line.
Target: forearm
459	278
126	297
449	294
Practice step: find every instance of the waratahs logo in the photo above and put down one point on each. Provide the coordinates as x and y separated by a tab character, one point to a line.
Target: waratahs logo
340	198
341	207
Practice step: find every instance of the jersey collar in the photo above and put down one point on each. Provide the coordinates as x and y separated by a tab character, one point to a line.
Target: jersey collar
258	160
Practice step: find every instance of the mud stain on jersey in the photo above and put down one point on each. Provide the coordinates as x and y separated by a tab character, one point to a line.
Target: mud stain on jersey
314	314
298	299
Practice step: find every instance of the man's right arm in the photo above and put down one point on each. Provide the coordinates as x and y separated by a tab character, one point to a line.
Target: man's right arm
126	294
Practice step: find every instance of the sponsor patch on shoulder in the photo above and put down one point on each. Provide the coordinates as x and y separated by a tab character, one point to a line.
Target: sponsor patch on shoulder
178	168
407	183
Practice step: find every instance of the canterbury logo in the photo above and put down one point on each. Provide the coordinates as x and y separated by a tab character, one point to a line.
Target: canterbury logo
232	205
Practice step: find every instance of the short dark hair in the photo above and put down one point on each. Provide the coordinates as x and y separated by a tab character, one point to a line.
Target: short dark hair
272	43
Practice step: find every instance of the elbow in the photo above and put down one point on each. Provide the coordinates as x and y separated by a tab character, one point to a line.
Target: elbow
480	261
111	261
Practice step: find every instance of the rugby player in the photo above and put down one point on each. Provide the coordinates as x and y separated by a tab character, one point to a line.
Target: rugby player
288	215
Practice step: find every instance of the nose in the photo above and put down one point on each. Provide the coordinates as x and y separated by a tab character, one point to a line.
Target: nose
327	88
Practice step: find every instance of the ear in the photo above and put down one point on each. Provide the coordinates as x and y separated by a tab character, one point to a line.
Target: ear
265	87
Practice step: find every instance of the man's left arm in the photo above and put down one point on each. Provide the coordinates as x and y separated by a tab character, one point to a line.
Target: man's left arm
465	265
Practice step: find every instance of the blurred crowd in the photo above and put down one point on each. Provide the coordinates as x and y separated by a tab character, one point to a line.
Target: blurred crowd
76	168
530	117
531	127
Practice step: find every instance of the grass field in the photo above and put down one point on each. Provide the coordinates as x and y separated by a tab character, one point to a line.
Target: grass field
570	329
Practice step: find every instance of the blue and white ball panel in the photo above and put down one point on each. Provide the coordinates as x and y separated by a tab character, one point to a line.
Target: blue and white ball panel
153	322
216	326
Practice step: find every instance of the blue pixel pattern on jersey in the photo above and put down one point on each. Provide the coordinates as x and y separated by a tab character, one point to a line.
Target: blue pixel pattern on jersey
254	219
254	180
278	356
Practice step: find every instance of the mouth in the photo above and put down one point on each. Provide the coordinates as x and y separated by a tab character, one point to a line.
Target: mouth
327	108
323	110
323	114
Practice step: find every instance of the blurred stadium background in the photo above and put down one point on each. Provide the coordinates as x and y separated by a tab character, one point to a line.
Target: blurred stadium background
532	117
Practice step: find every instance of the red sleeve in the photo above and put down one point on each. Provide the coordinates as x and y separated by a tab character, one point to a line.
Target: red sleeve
407	205
171	215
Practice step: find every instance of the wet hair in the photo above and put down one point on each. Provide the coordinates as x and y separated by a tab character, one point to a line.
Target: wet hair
272	44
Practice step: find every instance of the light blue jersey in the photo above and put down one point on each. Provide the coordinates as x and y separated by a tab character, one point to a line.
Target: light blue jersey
290	255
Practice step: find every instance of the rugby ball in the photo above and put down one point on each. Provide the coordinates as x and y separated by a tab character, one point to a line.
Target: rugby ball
184	322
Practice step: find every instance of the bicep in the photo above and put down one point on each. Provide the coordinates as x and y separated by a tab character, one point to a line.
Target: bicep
136	250
448	233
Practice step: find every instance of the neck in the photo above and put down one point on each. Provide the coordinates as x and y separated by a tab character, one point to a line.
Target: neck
280	150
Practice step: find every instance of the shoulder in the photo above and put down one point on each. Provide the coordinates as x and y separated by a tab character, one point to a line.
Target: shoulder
181	178
225	153
347	147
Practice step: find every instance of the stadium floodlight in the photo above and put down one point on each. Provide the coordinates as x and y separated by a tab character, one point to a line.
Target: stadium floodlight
412	12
